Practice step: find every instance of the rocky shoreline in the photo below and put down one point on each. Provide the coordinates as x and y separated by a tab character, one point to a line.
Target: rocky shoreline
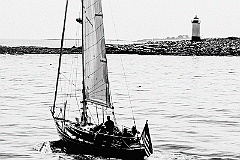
207	47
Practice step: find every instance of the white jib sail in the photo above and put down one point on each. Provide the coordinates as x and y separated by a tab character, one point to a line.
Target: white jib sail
95	62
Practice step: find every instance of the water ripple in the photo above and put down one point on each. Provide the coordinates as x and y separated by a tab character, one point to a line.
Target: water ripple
191	104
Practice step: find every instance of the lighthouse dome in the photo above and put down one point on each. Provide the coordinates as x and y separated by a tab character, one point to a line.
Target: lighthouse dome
196	20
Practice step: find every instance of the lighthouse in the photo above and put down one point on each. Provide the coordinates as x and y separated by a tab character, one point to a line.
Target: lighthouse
196	29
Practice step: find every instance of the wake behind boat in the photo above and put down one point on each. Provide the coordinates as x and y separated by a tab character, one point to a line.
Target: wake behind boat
81	122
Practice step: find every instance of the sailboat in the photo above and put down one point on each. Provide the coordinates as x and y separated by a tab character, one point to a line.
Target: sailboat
85	132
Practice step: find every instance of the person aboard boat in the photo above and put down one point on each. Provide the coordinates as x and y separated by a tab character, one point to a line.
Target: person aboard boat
134	130
126	138
77	124
109	124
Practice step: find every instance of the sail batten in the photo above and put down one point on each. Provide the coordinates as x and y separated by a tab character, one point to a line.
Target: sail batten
95	57
93	45
94	31
99	103
95	71
95	63
95	88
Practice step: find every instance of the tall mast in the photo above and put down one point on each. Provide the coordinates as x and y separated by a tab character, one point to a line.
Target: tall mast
60	58
83	69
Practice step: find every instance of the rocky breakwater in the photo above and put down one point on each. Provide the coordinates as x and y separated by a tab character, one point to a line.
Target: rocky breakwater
207	47
35	50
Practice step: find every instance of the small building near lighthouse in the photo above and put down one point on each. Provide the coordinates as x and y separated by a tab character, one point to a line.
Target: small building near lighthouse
196	29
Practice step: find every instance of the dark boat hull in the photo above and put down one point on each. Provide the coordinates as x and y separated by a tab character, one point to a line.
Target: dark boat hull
75	146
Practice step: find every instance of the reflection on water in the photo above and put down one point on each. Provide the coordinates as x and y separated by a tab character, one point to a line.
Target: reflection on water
192	104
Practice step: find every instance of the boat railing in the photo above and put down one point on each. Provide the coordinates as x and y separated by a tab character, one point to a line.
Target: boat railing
62	119
98	136
73	124
101	133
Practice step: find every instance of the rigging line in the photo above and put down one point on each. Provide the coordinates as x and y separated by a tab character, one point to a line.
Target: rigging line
127	89
122	64
71	76
78	28
60	57
114	26
110	95
69	80
76	83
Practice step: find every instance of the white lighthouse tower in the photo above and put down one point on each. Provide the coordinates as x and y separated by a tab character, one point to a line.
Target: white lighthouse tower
196	29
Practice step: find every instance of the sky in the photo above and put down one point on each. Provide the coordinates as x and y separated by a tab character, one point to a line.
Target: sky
123	19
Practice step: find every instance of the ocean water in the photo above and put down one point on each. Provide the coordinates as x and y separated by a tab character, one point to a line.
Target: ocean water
192	104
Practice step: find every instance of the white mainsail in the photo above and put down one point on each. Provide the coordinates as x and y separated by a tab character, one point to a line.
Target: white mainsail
94	59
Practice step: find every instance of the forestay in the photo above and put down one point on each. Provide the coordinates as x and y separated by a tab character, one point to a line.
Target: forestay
94	59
